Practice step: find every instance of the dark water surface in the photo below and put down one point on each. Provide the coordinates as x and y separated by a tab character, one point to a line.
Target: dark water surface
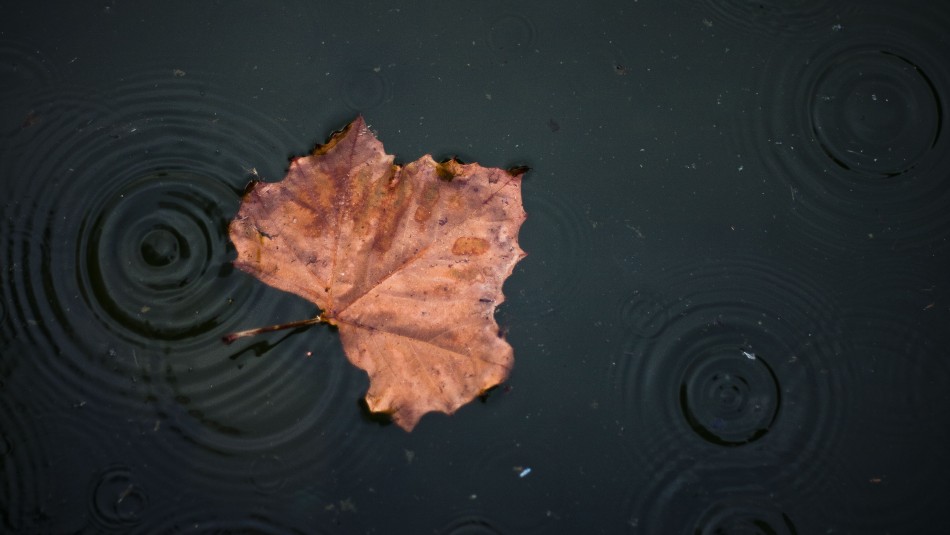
734	316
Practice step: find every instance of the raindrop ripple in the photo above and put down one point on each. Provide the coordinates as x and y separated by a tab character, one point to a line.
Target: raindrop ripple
746	357
855	124
119	264
803	19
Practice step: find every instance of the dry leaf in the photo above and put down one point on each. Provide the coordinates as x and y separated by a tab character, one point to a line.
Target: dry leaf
408	262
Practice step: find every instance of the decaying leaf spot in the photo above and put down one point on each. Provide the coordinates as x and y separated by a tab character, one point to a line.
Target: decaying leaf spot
407	262
427	200
469	245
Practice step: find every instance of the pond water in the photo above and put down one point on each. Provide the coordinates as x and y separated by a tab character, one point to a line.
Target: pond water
732	317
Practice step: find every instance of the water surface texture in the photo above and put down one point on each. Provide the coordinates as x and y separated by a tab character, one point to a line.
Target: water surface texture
733	316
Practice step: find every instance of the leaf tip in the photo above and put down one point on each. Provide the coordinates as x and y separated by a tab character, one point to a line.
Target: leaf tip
359	124
518	170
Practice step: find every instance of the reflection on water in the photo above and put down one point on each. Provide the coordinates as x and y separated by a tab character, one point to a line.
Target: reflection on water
732	317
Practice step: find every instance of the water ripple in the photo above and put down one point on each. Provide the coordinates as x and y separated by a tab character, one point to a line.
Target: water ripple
25	72
644	312
895	349
894	443
120	234
727	398
136	202
873	111
689	496
470	524
801	18
556	261
854	123
120	275
365	88
117	500
69	451
168	230
24	67
239	415
749	514
510	37
747	361
202	514
20	466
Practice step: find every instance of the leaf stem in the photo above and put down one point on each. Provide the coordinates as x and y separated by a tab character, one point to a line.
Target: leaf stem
261	330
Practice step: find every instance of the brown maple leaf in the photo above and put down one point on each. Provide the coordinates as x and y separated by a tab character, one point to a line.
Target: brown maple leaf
408	262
